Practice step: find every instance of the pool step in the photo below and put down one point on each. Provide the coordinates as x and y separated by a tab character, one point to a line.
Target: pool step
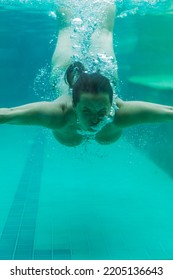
164	82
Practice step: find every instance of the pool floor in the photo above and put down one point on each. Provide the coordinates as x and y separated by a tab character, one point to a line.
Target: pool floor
90	202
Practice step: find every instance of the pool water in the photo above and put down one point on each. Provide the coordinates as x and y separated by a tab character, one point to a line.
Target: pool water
92	201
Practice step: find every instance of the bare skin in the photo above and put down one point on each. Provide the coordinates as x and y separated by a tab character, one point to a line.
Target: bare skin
61	116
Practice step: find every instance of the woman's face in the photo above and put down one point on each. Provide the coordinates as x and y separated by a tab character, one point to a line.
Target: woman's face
91	109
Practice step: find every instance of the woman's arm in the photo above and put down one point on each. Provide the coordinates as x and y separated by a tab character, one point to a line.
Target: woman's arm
138	112
47	114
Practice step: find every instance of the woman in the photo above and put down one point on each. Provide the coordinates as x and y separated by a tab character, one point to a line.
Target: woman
87	106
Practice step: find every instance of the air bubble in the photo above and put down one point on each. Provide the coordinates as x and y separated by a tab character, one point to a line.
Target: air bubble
76	46
52	14
77	22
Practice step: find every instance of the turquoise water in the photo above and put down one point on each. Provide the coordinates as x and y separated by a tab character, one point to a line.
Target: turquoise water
92	201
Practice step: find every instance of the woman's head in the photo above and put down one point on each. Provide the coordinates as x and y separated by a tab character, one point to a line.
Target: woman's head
92	95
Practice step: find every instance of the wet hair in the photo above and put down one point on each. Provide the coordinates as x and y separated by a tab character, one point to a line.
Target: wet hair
80	81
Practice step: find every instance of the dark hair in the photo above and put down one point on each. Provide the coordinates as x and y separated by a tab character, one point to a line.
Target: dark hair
80	81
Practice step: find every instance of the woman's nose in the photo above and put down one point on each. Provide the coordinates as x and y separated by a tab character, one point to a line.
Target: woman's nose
95	120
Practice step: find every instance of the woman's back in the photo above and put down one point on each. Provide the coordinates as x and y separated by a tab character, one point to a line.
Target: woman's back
87	42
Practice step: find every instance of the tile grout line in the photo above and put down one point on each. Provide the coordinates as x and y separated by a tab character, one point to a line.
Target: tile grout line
25	180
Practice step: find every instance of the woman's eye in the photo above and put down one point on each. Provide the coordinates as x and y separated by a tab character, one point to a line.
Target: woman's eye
103	113
85	111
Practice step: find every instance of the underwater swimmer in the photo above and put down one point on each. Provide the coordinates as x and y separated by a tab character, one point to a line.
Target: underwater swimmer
92	110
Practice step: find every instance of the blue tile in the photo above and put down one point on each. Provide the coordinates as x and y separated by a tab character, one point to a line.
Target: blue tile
42	257
7	252
61	254
23	211
11	228
7	247
7	237
27	233
23	257
42	254
13	232
23	242
23	250
13	221
5	257
63	257
28	221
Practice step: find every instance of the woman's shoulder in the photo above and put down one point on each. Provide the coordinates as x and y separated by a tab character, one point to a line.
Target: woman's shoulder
119	102
64	102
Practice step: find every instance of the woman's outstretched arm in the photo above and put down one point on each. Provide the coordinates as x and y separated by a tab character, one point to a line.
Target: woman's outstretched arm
138	112
47	114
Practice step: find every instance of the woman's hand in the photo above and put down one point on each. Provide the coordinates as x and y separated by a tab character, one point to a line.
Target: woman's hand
4	115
